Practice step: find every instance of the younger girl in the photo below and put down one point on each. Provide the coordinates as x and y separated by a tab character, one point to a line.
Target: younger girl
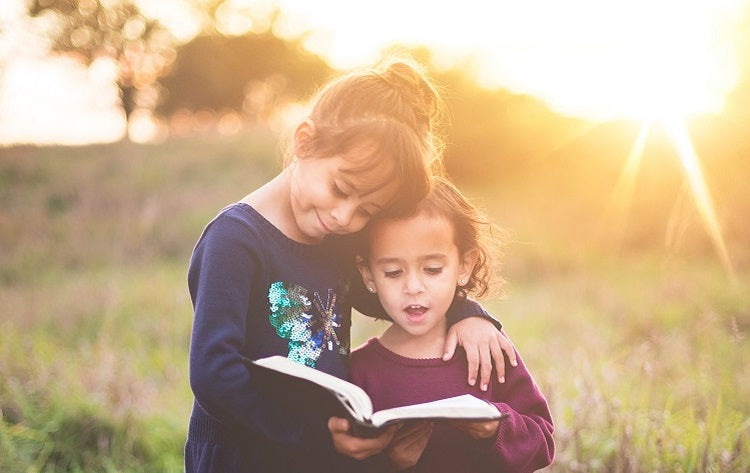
419	265
267	276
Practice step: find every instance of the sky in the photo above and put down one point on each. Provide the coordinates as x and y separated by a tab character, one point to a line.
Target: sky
597	59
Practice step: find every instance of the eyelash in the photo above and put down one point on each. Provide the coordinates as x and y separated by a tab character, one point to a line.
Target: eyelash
343	195
396	273
337	190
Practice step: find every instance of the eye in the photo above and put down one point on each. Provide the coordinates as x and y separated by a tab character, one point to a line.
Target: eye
434	270
393	273
337	190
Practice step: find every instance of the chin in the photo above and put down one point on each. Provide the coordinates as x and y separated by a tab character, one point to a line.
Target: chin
416	331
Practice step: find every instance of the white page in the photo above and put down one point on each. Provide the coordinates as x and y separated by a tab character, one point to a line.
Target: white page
465	406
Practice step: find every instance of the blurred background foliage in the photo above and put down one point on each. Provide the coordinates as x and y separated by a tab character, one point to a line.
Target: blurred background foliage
631	325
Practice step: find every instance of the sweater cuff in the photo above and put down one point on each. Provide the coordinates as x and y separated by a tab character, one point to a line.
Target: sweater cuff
502	427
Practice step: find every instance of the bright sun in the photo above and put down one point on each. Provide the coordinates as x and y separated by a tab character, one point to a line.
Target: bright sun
596	59
636	59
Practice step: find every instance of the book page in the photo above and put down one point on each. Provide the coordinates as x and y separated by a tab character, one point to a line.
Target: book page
460	407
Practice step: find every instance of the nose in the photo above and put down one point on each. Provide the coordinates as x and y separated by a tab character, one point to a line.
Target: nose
343	213
413	284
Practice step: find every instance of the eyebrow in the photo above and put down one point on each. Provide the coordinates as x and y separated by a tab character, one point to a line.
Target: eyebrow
432	256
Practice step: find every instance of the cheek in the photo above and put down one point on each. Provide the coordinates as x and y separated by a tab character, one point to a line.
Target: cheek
387	288
358	223
304	194
319	193
390	296
446	283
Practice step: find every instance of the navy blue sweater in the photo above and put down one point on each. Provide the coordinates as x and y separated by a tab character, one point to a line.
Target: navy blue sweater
257	293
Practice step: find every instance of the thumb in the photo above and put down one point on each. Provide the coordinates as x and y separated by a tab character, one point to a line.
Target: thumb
451	341
338	424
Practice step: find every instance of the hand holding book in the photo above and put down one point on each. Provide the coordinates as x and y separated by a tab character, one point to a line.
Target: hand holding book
408	444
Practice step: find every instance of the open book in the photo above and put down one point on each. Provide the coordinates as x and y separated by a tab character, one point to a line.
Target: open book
358	406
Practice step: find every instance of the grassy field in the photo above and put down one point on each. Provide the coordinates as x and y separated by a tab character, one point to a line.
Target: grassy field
643	353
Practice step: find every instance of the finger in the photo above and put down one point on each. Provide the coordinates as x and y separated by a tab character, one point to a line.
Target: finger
451	341
498	359
338	425
361	448
427	431
508	348
409	429
472	359
485	367
381	441
489	429
482	430
416	437
378	443
423	436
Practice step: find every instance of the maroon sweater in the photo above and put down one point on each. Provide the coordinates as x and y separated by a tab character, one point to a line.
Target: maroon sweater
524	439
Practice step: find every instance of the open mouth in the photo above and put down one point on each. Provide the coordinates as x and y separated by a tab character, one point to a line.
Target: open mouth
415	312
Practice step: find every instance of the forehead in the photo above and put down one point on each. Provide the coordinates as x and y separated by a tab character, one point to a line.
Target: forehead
411	236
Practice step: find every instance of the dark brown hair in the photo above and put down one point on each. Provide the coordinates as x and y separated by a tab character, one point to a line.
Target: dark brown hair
472	230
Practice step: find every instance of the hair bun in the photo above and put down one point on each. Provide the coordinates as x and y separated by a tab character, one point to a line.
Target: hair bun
411	83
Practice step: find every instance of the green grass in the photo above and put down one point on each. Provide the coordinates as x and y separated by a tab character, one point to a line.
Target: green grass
645	367
643	353
95	315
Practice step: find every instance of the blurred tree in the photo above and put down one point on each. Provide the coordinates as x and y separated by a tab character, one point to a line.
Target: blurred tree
250	73
116	30
494	134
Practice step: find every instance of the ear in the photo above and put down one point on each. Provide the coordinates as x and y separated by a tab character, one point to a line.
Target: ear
302	137
364	271
466	266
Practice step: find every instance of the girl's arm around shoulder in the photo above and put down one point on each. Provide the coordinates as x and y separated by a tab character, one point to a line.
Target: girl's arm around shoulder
483	341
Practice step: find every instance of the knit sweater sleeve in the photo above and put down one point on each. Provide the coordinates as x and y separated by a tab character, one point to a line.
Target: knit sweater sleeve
524	441
225	269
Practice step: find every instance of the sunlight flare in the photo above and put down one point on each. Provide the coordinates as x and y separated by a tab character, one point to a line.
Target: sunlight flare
618	207
695	188
689	159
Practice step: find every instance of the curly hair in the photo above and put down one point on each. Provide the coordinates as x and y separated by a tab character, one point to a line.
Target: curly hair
472	230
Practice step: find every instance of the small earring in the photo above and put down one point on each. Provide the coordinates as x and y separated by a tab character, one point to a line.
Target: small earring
371	289
462	282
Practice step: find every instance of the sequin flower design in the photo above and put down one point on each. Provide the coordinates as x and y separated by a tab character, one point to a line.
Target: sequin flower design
309	325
